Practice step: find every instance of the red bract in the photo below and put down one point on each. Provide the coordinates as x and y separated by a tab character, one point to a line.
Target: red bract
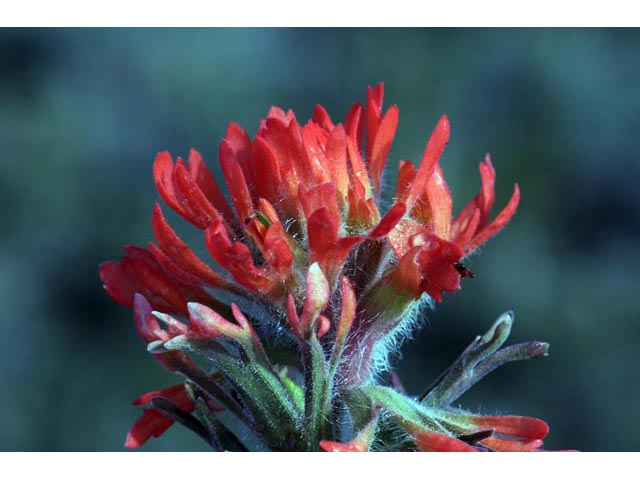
305	194
152	423
501	434
301	243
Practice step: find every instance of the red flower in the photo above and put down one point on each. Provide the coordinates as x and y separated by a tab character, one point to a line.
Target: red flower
305	194
433	242
303	241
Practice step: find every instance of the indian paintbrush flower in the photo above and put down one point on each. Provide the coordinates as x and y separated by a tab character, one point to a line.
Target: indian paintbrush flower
309	286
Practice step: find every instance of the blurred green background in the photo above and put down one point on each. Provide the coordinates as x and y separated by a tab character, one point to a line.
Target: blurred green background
83	112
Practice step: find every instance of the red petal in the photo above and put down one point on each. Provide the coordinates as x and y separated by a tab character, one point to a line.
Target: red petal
430	441
150	424
463	237
526	427
436	265
240	144
316	159
354	446
389	221
500	221
151	280
174	270
324	324
316	296
358	168
347	310
322	118
373	112
292	316
180	254
401	235
279	114
353	124
407	274
322	232
336	152
432	153
236	258
324	245
487	194
163	174
231	160
208	322
146	324
267	209
483	201
277	250
207	183
330	446
406	175
377	93
320	196
240	318
508	445
122	281
363	213
297	153
283	143
440	204
381	146
267	171
176	393
118	285
202	213
427	263
182	193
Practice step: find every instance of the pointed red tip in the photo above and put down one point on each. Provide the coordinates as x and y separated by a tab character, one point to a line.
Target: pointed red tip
389	221
515	425
330	446
432	153
430	441
498	223
131	441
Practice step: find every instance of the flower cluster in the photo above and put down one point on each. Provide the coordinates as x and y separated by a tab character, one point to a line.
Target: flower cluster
308	287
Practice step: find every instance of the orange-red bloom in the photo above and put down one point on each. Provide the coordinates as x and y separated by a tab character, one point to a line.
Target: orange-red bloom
302	194
303	240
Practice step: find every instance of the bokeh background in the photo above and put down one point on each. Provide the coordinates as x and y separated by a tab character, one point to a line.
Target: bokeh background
83	112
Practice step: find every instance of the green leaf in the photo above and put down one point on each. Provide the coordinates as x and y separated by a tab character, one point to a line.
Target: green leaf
296	391
404	408
317	404
259	387
480	358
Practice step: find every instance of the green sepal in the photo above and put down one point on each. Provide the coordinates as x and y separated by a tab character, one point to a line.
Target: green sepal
403	408
296	391
410	415
317	400
269	401
211	416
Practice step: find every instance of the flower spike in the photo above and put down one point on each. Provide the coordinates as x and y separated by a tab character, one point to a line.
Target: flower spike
310	278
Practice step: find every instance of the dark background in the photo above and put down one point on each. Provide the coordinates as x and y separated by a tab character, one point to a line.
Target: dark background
83	112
